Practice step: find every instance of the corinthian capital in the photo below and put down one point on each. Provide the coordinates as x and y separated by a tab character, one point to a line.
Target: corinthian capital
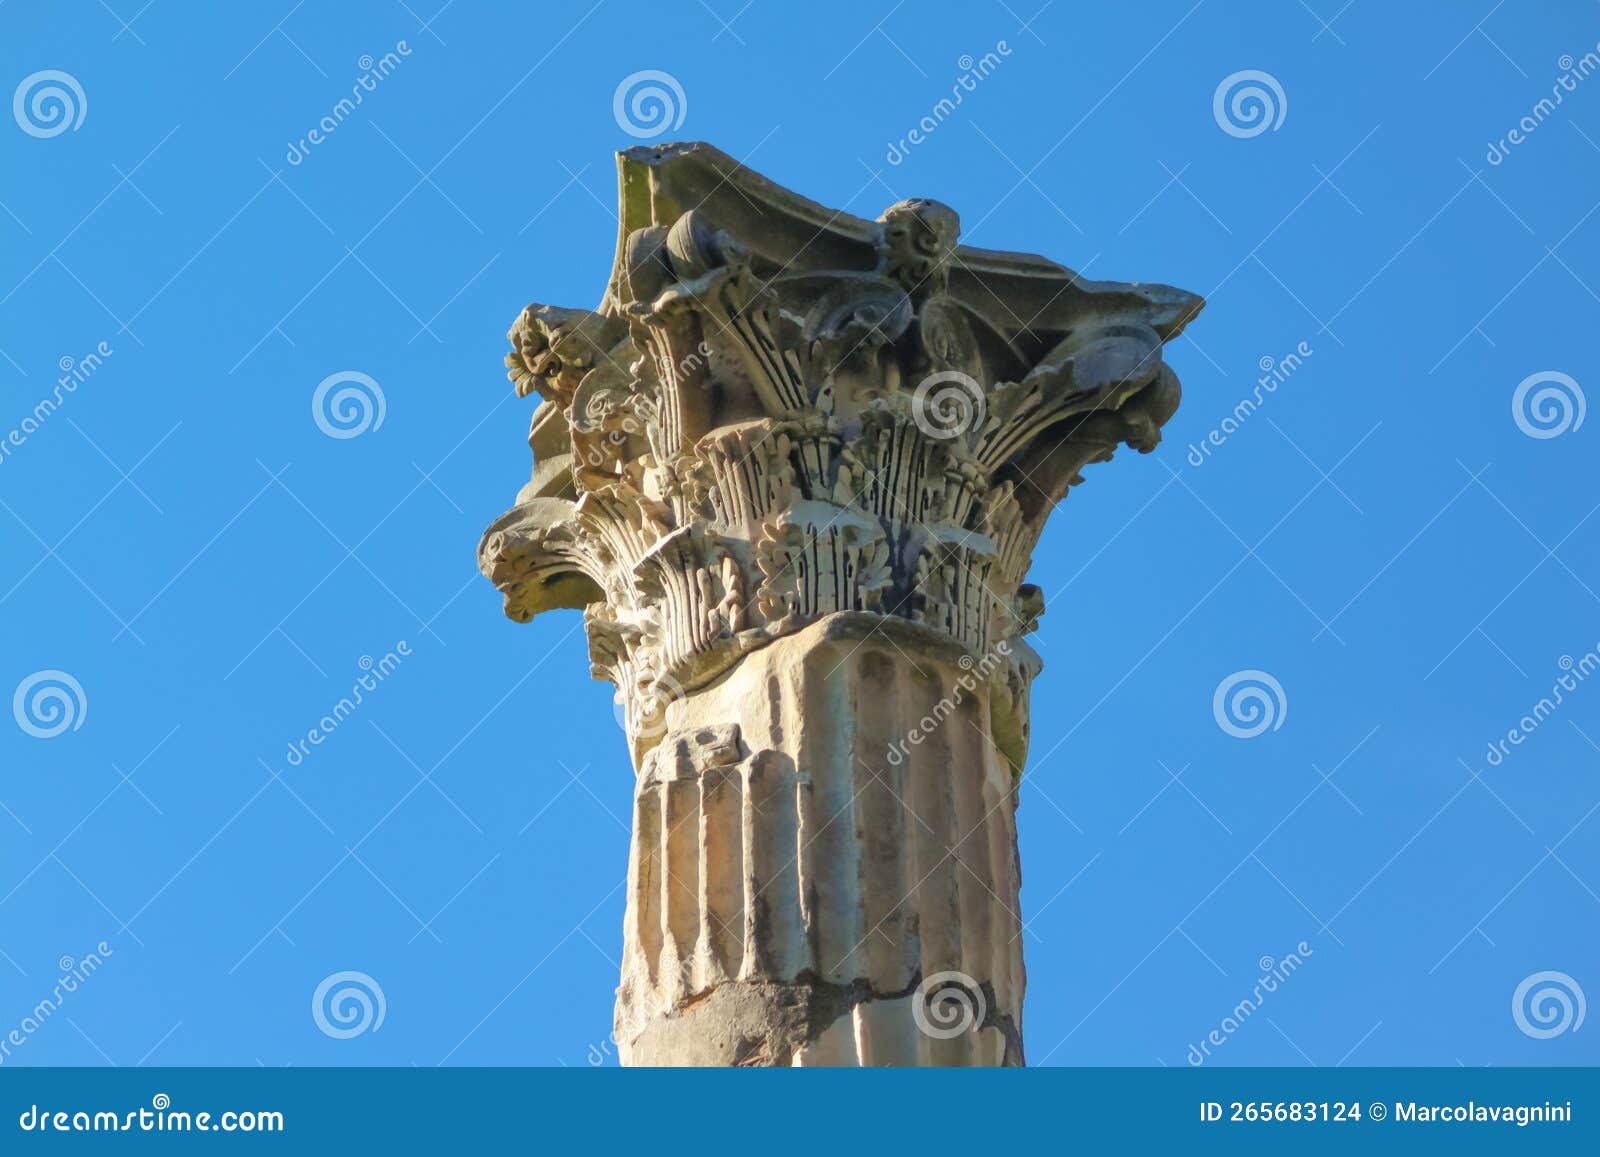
782	416
779	412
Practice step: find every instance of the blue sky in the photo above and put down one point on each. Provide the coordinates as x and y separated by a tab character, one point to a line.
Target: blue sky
1381	536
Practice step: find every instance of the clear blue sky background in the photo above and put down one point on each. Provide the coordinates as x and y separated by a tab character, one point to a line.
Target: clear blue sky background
1380	536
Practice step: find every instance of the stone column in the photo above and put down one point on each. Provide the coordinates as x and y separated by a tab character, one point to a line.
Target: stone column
792	469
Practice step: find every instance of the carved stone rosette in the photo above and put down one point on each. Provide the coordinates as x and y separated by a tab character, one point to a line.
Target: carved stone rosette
793	469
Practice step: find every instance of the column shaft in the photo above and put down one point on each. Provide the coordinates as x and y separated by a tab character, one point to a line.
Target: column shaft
817	835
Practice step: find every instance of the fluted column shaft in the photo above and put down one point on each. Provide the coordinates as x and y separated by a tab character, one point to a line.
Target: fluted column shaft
824	864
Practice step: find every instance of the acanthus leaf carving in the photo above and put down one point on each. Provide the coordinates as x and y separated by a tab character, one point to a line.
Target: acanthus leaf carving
740	433
817	559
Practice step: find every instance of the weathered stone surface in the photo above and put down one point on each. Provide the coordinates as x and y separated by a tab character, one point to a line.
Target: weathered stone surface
793	470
